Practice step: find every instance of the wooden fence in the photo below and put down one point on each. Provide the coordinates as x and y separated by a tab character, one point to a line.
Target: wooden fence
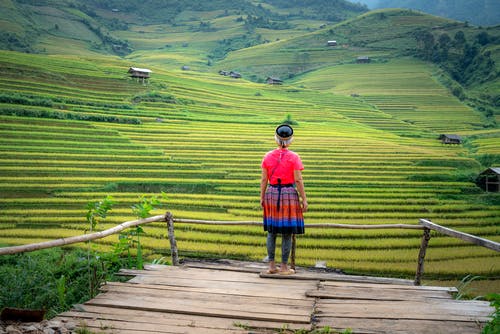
424	224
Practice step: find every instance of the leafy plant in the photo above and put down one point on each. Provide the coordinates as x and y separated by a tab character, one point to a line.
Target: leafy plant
142	210
289	120
97	211
464	288
51	279
493	326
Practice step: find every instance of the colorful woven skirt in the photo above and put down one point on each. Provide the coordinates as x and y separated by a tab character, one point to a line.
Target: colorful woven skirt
282	211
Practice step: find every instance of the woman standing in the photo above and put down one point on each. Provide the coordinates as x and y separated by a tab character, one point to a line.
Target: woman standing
281	179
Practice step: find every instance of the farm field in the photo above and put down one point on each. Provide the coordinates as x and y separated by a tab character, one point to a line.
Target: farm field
73	131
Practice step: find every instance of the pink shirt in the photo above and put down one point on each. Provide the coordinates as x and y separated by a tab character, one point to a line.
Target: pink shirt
281	163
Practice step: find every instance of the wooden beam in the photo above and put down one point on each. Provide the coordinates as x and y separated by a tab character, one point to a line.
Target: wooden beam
79	238
421	256
461	235
171	238
348	226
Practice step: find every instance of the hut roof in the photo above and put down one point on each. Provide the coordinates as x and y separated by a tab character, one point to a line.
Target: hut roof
491	170
457	137
137	69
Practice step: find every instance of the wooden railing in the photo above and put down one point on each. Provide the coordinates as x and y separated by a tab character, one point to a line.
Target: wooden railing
424	225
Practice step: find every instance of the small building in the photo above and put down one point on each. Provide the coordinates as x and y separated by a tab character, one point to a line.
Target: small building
224	73
235	75
185	68
450	139
274	81
489	179
363	60
331	43
139	73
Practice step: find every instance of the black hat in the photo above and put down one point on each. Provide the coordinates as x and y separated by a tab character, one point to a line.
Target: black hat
284	131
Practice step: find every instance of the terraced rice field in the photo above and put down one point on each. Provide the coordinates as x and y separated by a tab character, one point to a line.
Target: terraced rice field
203	149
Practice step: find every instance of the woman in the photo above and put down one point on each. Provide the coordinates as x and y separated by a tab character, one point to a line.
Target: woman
281	179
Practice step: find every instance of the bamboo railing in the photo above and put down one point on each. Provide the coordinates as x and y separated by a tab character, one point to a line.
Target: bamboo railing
424	224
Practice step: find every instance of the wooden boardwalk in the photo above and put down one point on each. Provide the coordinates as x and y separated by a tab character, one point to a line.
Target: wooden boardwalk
235	298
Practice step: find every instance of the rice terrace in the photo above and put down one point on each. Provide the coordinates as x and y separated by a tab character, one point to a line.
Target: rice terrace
368	114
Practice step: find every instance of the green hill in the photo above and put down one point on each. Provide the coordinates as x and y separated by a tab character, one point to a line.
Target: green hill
75	128
478	12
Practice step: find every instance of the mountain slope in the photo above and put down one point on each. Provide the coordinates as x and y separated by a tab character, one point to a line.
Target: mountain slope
39	26
478	12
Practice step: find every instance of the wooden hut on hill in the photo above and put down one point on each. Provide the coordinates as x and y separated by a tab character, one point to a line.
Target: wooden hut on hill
139	73
274	81
363	60
234	74
450	139
489	179
331	43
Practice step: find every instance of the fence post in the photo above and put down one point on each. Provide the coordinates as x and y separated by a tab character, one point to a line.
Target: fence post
171	238
421	256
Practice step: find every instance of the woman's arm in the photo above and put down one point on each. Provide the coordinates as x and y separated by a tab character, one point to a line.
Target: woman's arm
263	186
300	187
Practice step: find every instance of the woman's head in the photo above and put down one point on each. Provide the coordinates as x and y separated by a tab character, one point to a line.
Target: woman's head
283	135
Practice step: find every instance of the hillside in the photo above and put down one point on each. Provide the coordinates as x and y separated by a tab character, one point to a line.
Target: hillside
102	26
76	128
199	137
477	12
469	69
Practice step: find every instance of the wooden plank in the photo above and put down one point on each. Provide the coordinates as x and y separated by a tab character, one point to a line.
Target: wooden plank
390	286
370	293
250	311
413	310
213	302
160	318
399	326
338	277
198	280
246	268
461	235
119	327
266	296
194	273
79	238
248	291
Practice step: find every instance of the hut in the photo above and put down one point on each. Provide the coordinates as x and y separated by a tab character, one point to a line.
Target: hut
139	73
363	60
235	75
274	81
489	179
331	43
224	73
185	68
450	139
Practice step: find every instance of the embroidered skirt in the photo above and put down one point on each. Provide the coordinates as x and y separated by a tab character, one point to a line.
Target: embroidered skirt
282	211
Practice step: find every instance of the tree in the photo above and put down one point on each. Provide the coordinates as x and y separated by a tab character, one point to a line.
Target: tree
459	39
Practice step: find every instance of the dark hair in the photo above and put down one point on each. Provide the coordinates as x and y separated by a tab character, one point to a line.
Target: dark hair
284	135
284	131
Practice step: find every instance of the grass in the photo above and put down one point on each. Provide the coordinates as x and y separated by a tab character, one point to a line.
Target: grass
372	158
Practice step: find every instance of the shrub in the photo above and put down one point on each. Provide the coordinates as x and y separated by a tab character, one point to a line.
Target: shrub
51	279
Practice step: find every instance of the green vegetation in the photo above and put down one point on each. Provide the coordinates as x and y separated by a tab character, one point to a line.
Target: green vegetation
75	129
478	12
52	279
494	325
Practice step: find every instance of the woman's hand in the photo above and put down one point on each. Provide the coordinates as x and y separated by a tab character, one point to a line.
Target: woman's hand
304	205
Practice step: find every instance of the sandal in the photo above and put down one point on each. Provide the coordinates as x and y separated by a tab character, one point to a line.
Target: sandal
287	272
272	271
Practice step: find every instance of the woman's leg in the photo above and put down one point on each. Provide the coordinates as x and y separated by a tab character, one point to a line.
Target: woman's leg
271	250
286	246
